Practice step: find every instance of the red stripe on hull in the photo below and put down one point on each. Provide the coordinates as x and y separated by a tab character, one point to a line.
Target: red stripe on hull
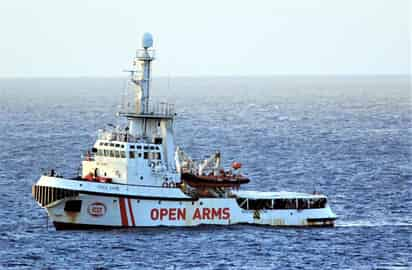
123	214
131	211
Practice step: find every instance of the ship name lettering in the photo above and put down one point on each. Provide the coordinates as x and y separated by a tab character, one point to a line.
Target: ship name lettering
199	213
211	213
168	213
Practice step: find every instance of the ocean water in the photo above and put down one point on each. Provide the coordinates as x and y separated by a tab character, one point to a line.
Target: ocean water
348	137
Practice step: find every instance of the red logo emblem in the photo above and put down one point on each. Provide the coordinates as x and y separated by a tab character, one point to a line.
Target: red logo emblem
96	209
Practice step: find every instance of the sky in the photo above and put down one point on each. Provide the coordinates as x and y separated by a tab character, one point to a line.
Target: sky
53	38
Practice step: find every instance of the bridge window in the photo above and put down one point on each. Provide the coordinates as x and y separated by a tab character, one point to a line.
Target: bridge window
111	153
106	153
145	155
131	154
122	154
117	154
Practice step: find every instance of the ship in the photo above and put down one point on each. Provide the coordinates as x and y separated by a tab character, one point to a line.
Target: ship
136	176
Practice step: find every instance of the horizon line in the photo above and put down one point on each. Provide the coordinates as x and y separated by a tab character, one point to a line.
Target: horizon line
212	76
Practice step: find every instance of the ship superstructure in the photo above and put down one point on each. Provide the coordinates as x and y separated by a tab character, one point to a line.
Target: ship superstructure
135	176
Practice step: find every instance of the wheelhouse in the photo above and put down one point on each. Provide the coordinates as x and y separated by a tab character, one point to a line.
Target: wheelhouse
127	150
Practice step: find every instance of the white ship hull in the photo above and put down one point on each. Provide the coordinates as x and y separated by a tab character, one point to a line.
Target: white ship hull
136	176
96	209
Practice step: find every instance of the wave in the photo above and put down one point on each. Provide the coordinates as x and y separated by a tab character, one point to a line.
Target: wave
361	223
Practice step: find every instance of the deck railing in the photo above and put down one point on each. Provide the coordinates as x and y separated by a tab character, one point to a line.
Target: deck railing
145	54
161	108
119	136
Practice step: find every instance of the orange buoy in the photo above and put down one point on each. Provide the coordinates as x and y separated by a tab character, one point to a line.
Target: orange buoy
236	165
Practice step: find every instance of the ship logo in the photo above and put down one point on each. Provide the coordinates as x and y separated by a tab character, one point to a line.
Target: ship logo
96	209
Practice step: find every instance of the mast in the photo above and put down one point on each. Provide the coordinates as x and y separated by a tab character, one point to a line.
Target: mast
142	79
149	122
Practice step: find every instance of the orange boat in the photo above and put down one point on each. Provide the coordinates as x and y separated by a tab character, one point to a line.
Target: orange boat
212	181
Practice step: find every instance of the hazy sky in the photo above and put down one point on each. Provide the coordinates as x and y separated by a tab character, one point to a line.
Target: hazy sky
99	38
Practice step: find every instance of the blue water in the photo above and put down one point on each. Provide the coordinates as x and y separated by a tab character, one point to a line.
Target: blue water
348	137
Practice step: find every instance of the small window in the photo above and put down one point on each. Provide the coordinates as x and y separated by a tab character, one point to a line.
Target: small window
132	146
259	204
117	154
284	204
117	145
122	154
122	146
317	203
138	147
146	147
112	144
106	144
157	148
101	143
152	148
111	153
131	154
139	155
303	204
73	206
145	155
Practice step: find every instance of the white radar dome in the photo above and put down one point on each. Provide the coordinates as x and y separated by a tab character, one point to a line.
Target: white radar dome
147	40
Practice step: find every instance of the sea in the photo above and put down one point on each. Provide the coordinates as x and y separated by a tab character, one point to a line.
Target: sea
349	137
